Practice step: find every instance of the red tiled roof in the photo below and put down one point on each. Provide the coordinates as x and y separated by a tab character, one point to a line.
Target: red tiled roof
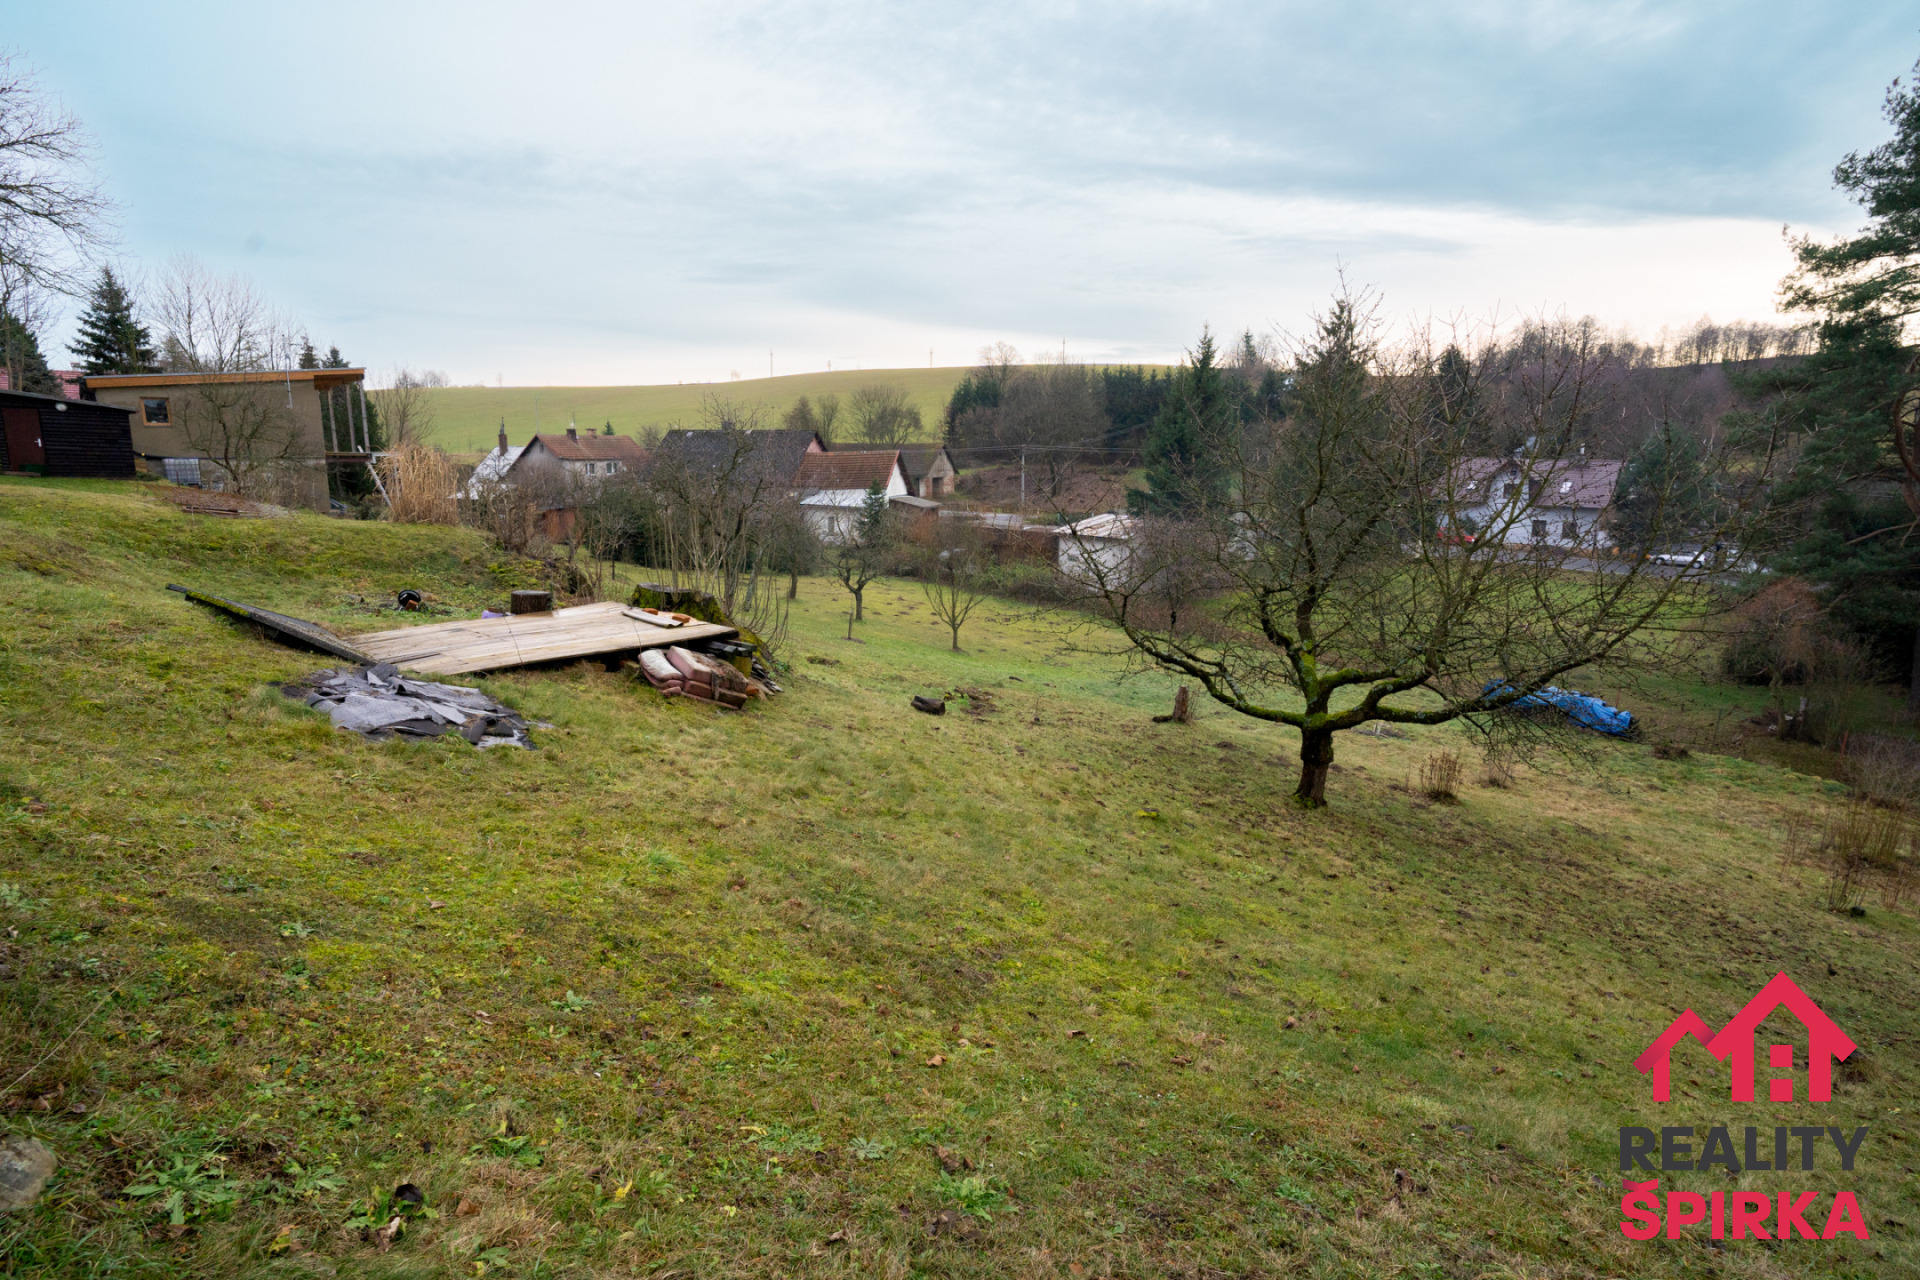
822	471
592	448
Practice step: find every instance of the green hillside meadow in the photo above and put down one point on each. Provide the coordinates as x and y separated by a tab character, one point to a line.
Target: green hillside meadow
1039	988
467	419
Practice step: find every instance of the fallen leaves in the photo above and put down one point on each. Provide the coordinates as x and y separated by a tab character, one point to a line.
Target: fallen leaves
951	1161
937	1060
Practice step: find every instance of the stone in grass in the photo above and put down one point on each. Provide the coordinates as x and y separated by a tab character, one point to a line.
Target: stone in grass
25	1166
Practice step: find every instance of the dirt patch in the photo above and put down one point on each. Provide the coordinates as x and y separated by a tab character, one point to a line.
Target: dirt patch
216	921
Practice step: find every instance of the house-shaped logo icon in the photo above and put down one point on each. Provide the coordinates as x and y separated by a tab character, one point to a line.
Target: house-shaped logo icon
1826	1044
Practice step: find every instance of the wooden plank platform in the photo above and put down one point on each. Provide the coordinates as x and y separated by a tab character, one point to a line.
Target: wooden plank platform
294	631
489	644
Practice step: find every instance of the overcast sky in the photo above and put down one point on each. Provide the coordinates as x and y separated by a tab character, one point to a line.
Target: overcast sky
614	193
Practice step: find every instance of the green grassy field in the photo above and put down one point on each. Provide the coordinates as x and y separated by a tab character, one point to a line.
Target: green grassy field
1038	988
467	419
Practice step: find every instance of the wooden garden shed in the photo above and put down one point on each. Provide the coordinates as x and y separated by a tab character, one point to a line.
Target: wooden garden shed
54	436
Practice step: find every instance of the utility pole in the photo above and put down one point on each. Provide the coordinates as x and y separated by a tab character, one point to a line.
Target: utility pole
769	364
1023	482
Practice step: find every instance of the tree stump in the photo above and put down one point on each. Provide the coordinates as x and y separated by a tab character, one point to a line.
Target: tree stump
1182	713
530	602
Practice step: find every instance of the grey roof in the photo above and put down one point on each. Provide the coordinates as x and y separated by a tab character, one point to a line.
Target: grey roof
784	447
33	398
1558	482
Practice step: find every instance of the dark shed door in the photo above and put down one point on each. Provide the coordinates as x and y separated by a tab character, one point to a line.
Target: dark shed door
23	439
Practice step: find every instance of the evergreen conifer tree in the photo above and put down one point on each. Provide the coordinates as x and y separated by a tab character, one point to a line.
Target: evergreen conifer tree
1183	473
112	339
20	355
1849	510
873	513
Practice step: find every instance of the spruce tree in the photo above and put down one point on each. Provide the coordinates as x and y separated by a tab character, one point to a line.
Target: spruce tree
21	357
309	358
1847	512
1183	473
112	339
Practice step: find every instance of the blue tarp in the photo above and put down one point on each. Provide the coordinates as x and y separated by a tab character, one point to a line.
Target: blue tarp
1584	710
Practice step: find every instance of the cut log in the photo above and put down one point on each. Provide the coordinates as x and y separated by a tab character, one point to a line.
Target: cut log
530	602
932	706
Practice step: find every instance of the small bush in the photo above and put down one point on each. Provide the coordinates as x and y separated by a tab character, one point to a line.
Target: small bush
1440	776
1860	846
1884	769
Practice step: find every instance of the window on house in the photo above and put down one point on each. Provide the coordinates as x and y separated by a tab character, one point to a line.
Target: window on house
1539	530
153	411
1570	530
1511	490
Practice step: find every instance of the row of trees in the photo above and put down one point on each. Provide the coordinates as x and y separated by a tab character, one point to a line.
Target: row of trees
881	415
1122	414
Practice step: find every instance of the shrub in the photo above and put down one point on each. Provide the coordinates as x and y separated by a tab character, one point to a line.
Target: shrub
1440	776
1884	769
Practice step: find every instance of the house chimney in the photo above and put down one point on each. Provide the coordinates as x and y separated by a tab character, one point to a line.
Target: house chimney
503	437
573	433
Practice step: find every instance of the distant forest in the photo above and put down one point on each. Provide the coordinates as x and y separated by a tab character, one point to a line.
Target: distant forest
1004	407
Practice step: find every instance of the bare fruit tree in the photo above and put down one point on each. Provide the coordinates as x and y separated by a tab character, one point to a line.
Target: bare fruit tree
1358	562
405	405
863	549
52	215
953	569
725	500
219	327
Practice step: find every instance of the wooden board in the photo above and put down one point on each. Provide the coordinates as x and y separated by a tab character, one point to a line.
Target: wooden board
294	631
489	644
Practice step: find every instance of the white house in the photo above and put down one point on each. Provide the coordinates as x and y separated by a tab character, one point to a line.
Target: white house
833	488
1555	502
493	468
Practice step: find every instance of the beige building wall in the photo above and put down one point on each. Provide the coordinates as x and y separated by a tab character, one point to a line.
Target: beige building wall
300	479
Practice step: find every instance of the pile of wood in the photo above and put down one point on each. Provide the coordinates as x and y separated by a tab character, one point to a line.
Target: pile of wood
209	502
680	672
